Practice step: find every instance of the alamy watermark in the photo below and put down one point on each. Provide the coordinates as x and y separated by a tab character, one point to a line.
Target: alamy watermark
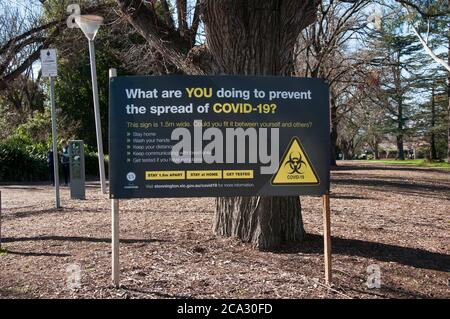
374	278
73	279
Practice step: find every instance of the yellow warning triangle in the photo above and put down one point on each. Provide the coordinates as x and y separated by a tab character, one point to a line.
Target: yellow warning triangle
295	167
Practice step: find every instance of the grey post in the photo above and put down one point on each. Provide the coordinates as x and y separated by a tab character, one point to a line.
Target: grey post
98	126
77	170
55	150
115	226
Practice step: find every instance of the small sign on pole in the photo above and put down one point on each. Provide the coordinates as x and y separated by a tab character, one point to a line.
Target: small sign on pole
49	64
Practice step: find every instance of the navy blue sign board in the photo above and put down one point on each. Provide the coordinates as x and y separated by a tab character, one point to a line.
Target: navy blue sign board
188	136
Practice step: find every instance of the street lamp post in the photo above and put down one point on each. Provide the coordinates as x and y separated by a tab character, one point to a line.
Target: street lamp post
90	24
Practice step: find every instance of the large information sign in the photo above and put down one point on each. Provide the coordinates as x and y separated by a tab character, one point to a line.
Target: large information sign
184	136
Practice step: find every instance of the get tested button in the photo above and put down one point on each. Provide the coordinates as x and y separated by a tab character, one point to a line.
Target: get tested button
163	175
238	174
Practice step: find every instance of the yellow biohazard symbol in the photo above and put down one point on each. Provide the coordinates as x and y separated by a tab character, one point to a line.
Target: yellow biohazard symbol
295	167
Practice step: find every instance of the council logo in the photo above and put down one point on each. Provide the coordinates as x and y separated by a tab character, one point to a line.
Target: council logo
131	176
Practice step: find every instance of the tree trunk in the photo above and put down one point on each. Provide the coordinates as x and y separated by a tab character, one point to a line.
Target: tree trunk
376	152
264	221
448	114
400	152
253	37
334	132
399	100
346	150
433	153
448	96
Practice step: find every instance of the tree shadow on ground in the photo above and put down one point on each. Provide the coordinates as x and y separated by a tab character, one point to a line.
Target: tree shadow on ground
62	210
81	239
23	214
345	196
23	187
36	254
413	257
421	189
385	291
392	167
16	293
155	293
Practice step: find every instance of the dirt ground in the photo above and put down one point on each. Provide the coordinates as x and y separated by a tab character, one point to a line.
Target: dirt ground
394	217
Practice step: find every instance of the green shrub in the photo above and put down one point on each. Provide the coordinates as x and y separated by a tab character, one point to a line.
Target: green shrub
18	164
91	162
21	161
23	155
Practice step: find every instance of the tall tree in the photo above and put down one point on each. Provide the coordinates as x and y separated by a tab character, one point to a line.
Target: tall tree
430	120
242	37
396	56
432	20
323	51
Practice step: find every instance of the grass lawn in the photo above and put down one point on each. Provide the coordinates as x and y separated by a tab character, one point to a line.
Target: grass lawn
416	162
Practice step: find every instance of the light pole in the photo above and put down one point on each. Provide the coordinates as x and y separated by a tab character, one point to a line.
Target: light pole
90	24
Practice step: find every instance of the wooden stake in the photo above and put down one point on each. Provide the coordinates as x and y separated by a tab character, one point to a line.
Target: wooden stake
115	226
115	242
327	238
0	220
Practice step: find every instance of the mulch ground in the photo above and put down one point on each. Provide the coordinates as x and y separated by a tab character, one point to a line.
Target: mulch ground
394	217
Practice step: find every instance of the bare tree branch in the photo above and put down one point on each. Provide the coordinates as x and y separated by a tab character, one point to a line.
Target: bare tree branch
182	19
429	50
195	22
159	35
167	14
424	43
423	13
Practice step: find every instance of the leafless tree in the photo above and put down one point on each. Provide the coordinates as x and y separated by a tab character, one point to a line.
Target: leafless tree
323	51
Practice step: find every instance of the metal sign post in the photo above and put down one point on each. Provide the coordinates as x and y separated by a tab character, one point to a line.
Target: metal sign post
55	149
49	69
115	227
